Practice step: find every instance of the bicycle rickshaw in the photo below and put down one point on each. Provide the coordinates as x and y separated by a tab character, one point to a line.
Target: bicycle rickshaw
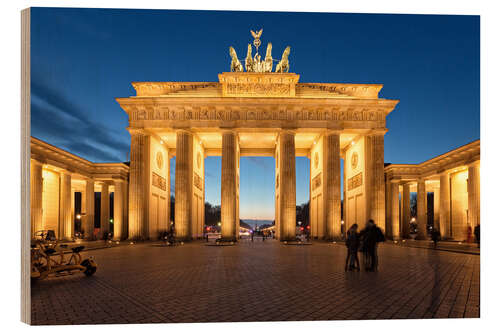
48	257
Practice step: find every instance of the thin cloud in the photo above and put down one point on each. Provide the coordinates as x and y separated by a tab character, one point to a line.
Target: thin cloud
60	122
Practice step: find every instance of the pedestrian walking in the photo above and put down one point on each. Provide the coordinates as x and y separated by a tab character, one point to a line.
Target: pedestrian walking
370	236
477	233
352	244
435	236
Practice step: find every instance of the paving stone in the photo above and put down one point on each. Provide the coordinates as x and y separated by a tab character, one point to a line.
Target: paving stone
260	281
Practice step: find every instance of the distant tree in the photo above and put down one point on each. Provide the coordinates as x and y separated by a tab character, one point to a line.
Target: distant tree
430	209
212	214
302	213
172	208
413	205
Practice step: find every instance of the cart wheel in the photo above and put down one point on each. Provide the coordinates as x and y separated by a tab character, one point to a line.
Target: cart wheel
90	266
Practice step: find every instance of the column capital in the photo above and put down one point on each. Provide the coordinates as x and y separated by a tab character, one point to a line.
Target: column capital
183	131
37	160
378	131
117	179
288	131
442	173
475	163
66	172
225	130
333	132
136	131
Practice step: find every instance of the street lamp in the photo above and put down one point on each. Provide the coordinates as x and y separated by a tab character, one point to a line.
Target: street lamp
78	216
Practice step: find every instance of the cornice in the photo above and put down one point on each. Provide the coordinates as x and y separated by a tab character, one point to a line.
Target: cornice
69	163
461	156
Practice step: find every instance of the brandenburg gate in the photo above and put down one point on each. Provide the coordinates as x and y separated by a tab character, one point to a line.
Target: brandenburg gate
256	112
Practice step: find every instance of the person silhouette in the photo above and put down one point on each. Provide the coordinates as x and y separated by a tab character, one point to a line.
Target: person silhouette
352	244
435	236
370	236
477	233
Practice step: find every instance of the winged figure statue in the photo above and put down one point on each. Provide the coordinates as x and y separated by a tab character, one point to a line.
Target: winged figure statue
257	34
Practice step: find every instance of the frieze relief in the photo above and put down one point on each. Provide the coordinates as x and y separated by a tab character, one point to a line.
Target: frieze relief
198	182
253	89
159	182
355	181
261	114
316	182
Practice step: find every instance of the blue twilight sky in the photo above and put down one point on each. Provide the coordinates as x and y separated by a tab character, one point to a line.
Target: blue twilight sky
83	58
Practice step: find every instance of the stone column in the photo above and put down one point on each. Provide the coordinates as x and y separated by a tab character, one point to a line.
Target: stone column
118	209
436	208
137	193
395	211
388	207
421	209
66	223
104	208
474	195
406	210
228	186
332	185
444	205
183	184
36	196
287	185
375	200
125	208
88	218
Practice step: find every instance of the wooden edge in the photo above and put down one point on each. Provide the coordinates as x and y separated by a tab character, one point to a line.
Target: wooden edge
25	166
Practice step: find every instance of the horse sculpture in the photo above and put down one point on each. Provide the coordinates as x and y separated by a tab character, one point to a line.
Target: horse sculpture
236	65
283	65
249	65
268	61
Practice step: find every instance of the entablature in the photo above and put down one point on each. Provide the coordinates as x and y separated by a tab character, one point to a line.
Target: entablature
447	162
64	161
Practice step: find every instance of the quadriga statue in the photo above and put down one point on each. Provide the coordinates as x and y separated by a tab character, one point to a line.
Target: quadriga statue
283	65
236	65
268	60
249	65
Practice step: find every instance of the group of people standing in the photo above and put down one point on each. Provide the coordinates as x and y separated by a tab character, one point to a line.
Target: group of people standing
365	241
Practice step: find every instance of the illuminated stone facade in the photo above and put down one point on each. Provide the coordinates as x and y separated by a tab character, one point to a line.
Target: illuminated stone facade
257	114
57	175
453	178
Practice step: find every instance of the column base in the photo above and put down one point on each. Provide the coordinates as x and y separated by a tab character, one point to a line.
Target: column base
227	240
287	239
184	239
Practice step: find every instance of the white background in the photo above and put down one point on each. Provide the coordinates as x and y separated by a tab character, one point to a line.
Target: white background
490	161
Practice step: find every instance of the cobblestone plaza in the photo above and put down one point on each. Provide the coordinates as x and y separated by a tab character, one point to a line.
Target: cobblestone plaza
259	281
